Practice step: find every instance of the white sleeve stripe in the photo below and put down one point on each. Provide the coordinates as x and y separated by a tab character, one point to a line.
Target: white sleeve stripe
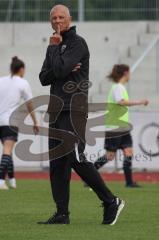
76	152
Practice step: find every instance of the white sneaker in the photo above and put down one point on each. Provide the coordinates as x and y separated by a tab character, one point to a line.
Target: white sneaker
12	183
3	185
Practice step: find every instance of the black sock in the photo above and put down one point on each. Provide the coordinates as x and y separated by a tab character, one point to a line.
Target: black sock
100	162
127	167
11	168
4	165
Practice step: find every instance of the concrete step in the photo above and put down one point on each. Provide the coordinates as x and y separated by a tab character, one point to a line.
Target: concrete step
144	73
137	51
127	60
94	88
105	86
153	27
90	30
99	98
148	63
146	38
137	89
142	88
31	34
33	57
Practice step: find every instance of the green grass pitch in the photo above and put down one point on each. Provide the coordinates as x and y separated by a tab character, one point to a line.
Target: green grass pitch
20	210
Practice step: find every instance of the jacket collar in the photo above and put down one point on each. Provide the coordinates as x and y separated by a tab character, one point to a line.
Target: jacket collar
69	33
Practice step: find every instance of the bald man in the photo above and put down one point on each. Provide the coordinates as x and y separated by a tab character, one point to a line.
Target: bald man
66	69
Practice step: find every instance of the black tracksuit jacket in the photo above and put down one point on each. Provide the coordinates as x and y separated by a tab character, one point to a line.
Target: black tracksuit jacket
70	87
57	71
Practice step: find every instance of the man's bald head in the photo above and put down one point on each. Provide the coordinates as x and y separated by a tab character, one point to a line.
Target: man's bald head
60	18
61	8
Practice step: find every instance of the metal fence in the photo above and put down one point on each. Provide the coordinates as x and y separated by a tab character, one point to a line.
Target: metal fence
88	10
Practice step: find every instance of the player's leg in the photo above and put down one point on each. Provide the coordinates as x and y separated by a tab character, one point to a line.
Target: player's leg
111	145
60	174
5	161
127	146
127	165
112	205
11	174
109	156
89	174
9	136
100	162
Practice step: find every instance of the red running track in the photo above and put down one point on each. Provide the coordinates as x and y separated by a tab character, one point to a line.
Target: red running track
152	177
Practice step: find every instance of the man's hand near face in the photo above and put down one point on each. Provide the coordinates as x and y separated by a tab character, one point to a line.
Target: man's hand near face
56	39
